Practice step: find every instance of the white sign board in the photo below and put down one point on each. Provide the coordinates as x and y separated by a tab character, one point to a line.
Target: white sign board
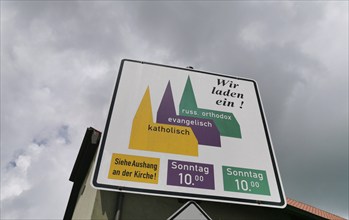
184	133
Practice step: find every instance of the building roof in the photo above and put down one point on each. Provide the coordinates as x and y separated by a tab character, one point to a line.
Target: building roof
313	210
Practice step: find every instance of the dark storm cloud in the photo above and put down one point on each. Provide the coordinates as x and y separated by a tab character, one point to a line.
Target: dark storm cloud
86	26
199	30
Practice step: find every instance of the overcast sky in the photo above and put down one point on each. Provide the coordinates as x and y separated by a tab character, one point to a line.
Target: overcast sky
59	63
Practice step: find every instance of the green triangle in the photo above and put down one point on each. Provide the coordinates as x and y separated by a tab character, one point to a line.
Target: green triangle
188	98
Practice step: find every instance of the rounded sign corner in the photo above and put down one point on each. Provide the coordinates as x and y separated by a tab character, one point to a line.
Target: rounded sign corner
283	203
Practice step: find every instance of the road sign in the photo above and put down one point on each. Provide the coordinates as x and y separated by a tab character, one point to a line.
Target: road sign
184	133
189	211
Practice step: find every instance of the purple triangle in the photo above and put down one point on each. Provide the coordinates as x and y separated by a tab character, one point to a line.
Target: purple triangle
205	130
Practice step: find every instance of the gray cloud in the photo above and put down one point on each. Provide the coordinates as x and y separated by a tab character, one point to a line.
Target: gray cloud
59	62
